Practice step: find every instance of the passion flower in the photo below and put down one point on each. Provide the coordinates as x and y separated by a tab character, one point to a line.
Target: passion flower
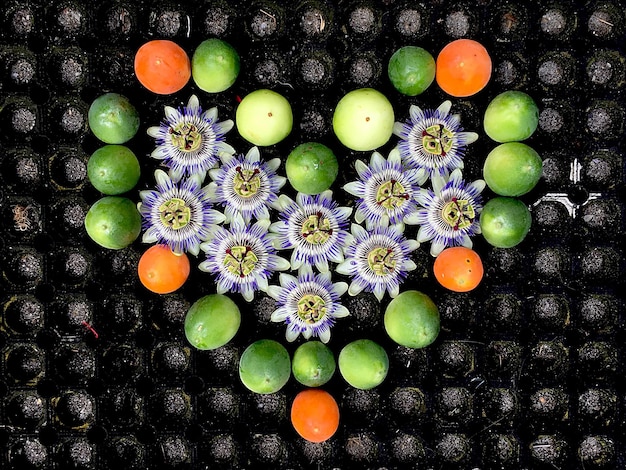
433	140
308	304
189	140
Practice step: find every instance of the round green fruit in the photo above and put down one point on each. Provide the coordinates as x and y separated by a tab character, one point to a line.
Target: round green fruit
265	367
412	319
215	65
113	169
212	321
264	117
411	70
113	119
363	119
512	169
511	116
363	364
313	364
311	168
505	221
113	222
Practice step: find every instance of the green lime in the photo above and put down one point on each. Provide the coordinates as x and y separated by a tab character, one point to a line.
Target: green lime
511	116
265	367
264	117
113	119
215	65
411	70
505	221
311	168
113	169
412	319
512	169
313	364
113	222
363	364
363	119
212	321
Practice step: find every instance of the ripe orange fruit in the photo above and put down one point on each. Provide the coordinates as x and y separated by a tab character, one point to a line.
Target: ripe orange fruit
162	66
459	269
315	415
463	68
161	270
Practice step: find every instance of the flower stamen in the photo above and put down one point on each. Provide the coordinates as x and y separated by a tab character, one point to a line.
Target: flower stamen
175	213
458	213
186	137
381	261
316	229
391	195
240	260
311	308
246	183
437	139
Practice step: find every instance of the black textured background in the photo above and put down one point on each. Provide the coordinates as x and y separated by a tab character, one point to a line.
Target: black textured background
526	372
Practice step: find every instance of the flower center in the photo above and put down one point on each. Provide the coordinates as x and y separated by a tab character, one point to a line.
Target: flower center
186	137
391	195
458	213
246	182
175	213
316	229
437	139
381	260
311	308
240	260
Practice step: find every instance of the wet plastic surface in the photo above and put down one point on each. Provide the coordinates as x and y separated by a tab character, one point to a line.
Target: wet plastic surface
96	372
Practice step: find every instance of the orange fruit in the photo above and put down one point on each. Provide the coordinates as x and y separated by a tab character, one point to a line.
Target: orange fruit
315	415
459	269
463	68
161	270
162	66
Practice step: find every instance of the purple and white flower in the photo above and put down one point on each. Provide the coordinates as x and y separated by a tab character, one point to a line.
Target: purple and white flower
385	191
378	260
242	257
433	140
246	185
315	227
308	304
449	213
190	141
178	214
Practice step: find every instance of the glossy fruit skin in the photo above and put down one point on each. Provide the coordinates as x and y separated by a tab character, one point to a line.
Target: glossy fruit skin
363	119
264	117
313	364
265	366
113	222
311	168
113	119
215	65
315	415
512	169
411	70
363	363
412	319
463	68
505	221
212	321
113	169
162	66
458	269
511	116
161	271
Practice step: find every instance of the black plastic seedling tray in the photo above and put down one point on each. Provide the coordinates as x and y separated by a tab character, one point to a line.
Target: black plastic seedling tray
526	373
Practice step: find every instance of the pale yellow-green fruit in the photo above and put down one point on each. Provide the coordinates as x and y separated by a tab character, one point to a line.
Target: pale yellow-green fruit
264	117
363	119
